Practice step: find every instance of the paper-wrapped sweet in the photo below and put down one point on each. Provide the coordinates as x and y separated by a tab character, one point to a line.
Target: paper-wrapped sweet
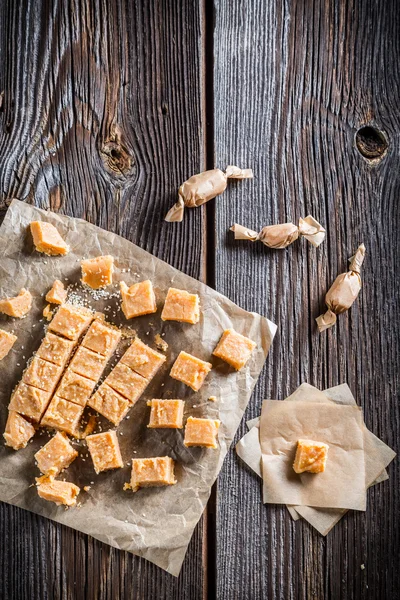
343	292
201	188
282	235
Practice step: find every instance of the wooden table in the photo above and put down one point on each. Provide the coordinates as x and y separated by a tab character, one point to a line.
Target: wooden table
106	107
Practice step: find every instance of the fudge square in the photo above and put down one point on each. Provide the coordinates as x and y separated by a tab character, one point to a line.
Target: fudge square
104	450
88	364
310	456
60	492
55	349
29	401
142	359
234	348
18	431
63	415
110	404
138	300
152	472
7	341
101	338
75	388
190	370
128	383
201	432
56	455
47	239
181	306
71	321
18	306
97	272
42	374
166	414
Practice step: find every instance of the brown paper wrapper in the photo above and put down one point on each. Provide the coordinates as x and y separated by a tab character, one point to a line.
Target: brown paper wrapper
343	292
156	523
203	187
281	236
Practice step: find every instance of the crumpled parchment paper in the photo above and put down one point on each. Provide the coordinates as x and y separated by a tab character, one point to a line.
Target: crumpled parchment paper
155	523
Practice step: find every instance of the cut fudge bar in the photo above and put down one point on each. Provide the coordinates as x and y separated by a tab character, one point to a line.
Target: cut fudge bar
101	338
149	472
18	431
18	306
310	456
110	404
181	306
60	492
75	388
166	413
234	348
29	401
57	294
143	359
97	272
128	383
104	450
55	349
42	374
47	239
56	455
201	432
71	321
190	370
138	300
63	415
88	364
7	341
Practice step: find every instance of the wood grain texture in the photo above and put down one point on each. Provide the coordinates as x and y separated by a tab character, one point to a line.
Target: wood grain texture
97	122
293	82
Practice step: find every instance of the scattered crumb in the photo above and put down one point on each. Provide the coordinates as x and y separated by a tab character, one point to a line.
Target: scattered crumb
127	486
212	399
160	343
86	488
47	312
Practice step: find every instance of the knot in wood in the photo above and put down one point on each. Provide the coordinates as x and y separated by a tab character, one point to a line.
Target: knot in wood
116	158
371	143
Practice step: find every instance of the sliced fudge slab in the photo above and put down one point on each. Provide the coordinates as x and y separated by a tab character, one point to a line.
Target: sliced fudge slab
104	450
47	239
29	401
190	370
18	306
142	359
138	300
18	431
63	415
152	472
42	374
88	364
110	404
128	383
55	349
7	341
201	432
181	306
75	387
166	414
59	492
234	348
71	321
56	455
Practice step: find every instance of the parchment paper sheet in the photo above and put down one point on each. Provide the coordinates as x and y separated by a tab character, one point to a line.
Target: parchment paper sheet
154	523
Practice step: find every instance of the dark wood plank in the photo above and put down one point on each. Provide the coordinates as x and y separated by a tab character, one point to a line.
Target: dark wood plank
101	118
293	82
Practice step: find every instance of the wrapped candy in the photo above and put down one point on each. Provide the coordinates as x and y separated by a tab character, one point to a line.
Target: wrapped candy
281	236
201	188
343	292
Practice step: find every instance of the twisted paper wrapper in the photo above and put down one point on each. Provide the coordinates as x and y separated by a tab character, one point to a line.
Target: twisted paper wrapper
343	292
281	236
201	188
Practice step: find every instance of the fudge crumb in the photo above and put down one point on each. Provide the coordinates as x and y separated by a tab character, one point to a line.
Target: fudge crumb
212	399
48	313
127	486
160	343
86	488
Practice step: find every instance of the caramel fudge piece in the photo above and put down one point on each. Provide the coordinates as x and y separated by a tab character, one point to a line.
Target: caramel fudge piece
166	414
128	383
97	272
181	306
47	239
152	472
63	415
56	455
137	300
88	364
110	404
75	388
101	338
105	452
310	456
42	374
190	370
201	432
55	349
234	348
143	359
18	431
57	294
29	401
7	341
71	321
18	306
60	492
